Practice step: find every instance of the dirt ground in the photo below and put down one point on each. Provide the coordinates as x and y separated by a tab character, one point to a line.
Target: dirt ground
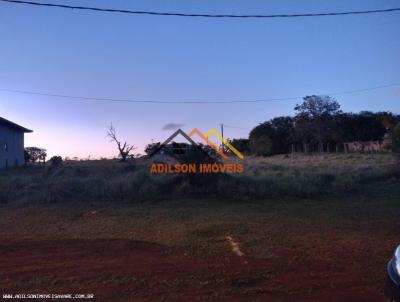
124	270
300	259
325	249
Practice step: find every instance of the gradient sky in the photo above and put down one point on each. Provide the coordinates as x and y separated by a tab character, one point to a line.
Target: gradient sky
171	58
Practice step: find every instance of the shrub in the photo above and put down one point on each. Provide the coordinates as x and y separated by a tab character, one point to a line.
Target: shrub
56	161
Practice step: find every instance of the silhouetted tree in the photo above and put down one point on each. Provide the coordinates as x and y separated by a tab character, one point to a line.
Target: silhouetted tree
150	148
388	119
34	154
315	119
124	149
272	137
241	144
261	139
283	134
364	126
261	145
319	124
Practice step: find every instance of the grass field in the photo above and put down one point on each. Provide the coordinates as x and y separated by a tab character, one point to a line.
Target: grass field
264	178
311	228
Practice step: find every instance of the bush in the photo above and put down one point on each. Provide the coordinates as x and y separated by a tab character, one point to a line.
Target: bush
56	161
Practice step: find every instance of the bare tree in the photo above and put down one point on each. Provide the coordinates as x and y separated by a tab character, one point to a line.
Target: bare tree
124	149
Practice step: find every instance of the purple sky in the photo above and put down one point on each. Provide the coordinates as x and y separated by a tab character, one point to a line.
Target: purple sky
168	58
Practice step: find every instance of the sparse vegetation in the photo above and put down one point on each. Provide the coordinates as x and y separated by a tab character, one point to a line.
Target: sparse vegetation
112	181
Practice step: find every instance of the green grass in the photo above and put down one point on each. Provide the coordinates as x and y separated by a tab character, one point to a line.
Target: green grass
116	182
262	227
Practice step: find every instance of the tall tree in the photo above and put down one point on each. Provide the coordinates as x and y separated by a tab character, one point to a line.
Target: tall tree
315	119
283	134
272	137
261	139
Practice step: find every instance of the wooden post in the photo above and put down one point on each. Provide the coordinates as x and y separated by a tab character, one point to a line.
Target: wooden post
222	134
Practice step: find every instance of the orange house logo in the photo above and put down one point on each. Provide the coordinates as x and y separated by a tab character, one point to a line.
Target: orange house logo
199	167
214	132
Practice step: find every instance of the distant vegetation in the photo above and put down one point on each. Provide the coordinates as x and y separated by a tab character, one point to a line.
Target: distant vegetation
35	154
317	126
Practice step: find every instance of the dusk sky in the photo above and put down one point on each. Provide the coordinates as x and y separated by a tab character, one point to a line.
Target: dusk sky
125	56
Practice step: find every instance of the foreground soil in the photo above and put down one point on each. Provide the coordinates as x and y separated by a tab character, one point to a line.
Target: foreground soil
329	248
126	270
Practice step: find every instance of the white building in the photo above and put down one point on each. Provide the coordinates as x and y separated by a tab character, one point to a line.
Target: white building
11	144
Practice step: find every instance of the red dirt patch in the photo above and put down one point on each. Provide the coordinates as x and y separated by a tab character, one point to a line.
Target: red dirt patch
124	270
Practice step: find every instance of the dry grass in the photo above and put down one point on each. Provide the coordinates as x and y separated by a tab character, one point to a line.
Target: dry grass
259	227
341	160
115	182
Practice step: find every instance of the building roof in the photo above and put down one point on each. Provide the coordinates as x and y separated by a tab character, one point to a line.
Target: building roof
8	123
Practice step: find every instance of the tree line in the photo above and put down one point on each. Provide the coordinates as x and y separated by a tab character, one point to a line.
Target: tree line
319	126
